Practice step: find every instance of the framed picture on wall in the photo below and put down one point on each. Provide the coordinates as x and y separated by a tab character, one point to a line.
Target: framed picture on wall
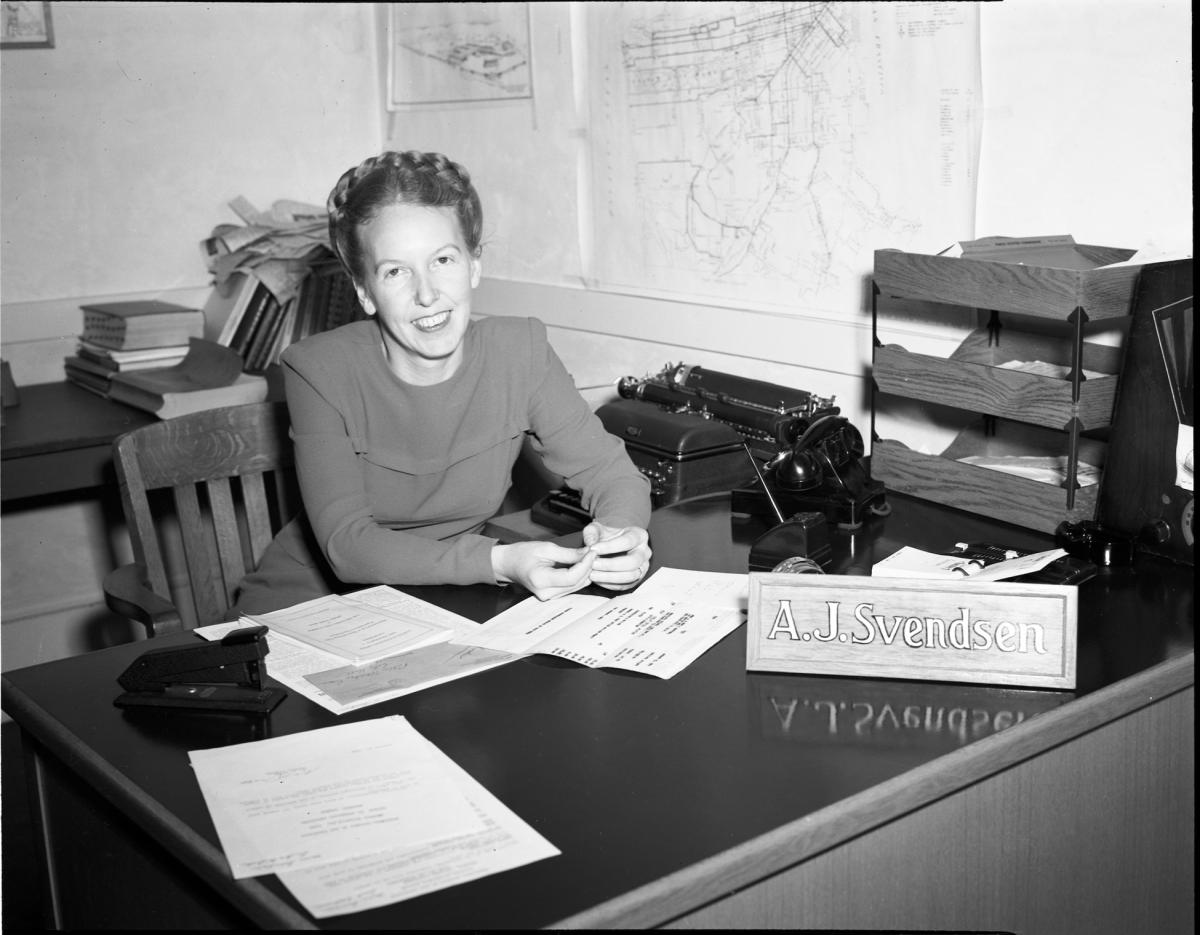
26	25
457	53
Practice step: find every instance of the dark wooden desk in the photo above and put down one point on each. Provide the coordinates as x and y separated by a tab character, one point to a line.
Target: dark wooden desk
59	439
718	798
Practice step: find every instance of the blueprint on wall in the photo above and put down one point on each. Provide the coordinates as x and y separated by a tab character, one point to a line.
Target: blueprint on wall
457	52
758	153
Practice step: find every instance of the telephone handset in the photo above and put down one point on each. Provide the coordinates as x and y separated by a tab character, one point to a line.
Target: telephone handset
821	455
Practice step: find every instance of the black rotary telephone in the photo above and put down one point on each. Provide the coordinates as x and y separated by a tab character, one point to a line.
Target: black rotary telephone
822	471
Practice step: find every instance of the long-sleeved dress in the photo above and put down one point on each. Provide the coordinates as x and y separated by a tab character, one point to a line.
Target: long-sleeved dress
398	480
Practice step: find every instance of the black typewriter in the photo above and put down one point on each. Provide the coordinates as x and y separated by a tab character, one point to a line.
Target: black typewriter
692	431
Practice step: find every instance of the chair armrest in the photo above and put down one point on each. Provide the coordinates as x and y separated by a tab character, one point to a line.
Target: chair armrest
127	593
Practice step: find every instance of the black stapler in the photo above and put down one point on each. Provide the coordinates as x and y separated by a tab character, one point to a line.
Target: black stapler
212	676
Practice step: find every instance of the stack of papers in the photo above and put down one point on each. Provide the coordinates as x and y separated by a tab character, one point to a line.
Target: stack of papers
325	810
350	651
372	616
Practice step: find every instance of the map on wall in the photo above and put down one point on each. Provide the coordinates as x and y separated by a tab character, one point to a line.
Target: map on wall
443	53
758	153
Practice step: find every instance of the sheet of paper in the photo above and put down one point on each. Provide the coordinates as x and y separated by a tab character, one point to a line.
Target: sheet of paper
362	883
363	626
326	795
383	595
659	629
1050	469
520	628
909	562
657	639
405	673
711	588
1024	565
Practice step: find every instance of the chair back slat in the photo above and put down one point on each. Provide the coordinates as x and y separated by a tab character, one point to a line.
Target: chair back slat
233	557
200	553
143	533
258	515
225	525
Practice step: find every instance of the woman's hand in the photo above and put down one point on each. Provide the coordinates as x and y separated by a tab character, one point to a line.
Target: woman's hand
622	555
545	569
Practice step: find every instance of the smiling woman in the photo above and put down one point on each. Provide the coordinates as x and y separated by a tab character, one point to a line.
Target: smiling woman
407	425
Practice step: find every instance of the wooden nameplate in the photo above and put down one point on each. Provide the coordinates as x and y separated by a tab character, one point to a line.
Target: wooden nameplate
992	633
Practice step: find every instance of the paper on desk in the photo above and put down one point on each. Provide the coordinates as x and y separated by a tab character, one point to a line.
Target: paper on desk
356	628
295	665
659	629
330	794
405	673
909	562
712	588
362	883
289	661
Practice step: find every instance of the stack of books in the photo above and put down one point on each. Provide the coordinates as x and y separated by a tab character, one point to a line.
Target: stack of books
138	334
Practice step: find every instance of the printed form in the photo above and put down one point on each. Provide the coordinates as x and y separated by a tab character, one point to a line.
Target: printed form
324	810
324	795
659	629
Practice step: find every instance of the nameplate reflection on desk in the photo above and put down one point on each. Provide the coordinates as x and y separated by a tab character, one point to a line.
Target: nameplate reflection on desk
925	716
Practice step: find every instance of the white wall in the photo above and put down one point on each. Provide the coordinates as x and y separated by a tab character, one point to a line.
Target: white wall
122	145
1088	122
121	148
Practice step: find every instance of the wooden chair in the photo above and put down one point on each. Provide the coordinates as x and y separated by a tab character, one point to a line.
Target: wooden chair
230	475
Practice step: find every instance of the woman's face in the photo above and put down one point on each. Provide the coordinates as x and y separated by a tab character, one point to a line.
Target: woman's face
417	279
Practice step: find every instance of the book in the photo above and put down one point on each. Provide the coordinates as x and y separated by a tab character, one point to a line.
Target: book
140	323
100	371
225	304
342	306
85	378
312	299
210	376
279	338
240	342
254	359
146	359
246	388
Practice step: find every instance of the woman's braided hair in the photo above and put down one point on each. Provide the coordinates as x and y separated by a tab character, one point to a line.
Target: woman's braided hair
413	178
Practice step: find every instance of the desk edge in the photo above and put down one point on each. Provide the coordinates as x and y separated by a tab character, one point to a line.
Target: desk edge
693	887
208	861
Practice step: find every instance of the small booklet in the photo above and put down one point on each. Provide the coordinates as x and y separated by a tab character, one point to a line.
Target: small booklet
355	628
916	563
